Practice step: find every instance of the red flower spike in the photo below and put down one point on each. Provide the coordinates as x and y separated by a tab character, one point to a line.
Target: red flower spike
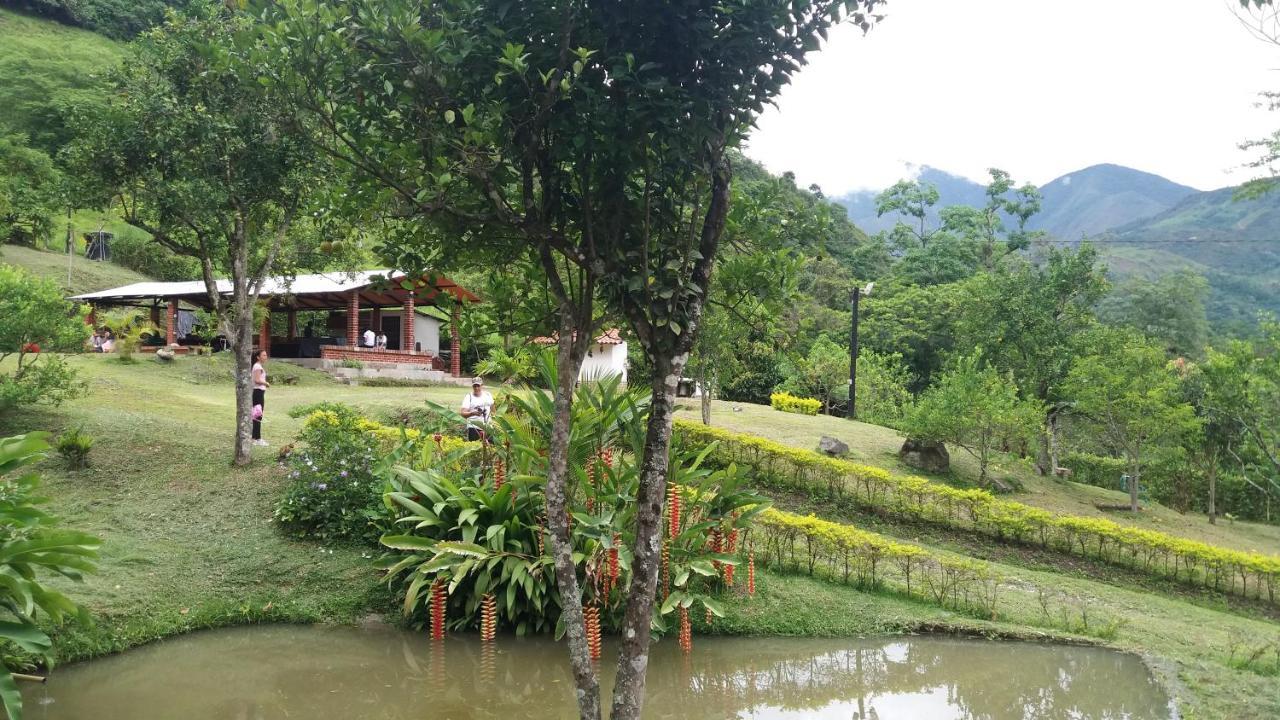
686	631
591	618
439	598
751	572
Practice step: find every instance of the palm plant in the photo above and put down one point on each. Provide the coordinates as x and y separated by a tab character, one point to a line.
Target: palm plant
31	543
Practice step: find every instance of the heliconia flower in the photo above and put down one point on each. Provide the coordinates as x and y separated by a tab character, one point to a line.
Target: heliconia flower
591	618
499	474
751	572
488	617
686	631
666	568
439	597
673	511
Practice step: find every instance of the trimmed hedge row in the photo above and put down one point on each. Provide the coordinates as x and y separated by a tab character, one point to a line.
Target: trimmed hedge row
786	402
846	554
1248	574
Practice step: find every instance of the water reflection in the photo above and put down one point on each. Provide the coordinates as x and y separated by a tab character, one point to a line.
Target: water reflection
303	672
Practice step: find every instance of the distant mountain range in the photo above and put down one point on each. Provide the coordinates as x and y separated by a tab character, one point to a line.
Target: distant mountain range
1081	203
1145	225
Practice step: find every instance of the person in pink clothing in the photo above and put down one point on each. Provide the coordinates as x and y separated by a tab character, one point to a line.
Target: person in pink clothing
260	386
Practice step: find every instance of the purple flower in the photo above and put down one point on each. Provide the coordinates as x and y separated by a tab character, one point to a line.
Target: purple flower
344	473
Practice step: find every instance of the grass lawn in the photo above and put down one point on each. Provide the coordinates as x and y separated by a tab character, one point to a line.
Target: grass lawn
876	445
189	541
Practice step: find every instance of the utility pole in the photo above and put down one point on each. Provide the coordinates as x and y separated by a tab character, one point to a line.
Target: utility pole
853	348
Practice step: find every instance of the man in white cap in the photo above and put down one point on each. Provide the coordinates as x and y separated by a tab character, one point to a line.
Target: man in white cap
477	408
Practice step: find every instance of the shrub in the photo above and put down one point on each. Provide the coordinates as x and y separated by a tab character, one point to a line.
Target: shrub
36	316
74	446
786	402
136	251
351	363
341	409
1095	470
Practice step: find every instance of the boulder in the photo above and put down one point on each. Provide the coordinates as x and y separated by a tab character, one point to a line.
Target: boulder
833	447
925	455
164	354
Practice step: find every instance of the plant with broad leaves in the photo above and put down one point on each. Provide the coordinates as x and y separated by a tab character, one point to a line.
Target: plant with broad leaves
32	543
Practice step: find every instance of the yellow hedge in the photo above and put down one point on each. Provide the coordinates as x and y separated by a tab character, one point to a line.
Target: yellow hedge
1243	573
786	402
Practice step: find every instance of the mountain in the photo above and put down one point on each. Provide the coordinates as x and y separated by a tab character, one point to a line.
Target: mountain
1084	202
1234	243
1102	197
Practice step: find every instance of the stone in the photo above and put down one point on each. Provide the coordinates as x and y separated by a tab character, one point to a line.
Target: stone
925	455
164	354
832	446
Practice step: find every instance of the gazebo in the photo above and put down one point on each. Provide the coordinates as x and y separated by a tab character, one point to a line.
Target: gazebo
341	295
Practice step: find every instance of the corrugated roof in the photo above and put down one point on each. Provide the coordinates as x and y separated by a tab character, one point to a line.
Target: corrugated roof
334	282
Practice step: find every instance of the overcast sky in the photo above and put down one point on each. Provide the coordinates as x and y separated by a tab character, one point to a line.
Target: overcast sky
1035	87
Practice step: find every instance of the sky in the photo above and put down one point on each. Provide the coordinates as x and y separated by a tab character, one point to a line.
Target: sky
1035	87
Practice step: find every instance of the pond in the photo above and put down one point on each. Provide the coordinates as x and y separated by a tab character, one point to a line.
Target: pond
259	673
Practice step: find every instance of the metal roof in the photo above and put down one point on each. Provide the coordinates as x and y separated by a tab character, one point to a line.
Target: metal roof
304	288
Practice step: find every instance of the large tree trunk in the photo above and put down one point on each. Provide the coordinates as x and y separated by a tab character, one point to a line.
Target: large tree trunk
1134	476
1212	471
569	355
633	657
241	341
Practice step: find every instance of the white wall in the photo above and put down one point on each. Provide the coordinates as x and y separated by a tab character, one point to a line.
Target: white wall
605	360
426	331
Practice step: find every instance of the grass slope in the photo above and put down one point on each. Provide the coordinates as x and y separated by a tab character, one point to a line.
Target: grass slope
49	68
876	445
189	541
86	275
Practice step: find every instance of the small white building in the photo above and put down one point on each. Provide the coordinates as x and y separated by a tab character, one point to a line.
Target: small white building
606	355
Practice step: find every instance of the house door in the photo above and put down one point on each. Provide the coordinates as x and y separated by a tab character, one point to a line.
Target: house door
391	326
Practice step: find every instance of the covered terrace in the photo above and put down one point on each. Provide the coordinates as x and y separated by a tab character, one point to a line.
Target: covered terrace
339	298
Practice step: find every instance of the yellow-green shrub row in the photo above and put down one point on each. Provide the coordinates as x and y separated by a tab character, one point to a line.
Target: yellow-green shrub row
786	402
847	554
1244	573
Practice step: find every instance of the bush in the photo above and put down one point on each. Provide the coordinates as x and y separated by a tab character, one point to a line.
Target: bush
786	402
427	418
1096	470
136	251
74	446
36	316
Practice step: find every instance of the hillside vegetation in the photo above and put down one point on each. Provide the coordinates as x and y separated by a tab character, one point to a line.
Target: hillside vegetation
86	275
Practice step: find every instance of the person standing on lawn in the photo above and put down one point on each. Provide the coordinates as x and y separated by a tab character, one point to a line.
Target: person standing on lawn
260	386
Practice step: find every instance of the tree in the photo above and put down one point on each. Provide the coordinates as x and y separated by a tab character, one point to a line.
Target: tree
913	200
201	155
594	138
1170	310
973	407
882	388
37	322
916	321
1027	316
30	191
823	373
1124	387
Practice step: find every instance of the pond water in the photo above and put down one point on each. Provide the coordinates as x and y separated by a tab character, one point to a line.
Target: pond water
318	673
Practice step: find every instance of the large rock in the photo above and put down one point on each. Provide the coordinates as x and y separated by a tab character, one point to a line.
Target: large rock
925	455
833	446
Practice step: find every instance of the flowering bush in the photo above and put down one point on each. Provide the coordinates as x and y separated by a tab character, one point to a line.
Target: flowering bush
333	491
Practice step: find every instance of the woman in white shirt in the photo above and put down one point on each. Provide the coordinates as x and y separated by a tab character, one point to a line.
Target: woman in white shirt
260	386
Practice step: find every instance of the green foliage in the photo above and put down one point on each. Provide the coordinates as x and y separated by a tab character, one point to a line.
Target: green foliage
1096	470
786	402
916	321
74	446
755	374
456	524
37	322
30	192
32	544
974	407
843	483
514	366
135	250
1170	311
822	373
882	388
120	19
1127	392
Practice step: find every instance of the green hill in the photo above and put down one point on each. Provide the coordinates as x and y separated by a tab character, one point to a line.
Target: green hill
86	275
47	70
1100	197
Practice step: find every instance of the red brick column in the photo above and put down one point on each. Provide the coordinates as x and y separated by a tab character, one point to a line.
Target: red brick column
407	315
293	324
92	318
171	324
353	318
455	344
264	334
375	319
